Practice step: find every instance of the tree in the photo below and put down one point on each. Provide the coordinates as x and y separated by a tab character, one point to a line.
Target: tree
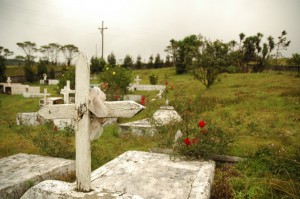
97	64
211	60
186	49
232	44
295	60
172	49
20	59
168	62
55	49
46	51
69	51
242	36
111	59
4	53
150	62
128	63
29	49
282	44
42	68
138	63
158	63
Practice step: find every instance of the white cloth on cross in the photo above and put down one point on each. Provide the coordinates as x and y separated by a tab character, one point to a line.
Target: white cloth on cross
98	108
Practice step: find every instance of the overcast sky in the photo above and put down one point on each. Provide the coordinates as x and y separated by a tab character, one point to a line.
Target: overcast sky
143	27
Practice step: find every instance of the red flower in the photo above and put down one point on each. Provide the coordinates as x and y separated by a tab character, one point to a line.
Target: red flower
143	100
116	97
187	141
167	83
195	140
203	131
172	87
55	128
201	123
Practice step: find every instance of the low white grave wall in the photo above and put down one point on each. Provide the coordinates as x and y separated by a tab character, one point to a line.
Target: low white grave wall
146	87
53	82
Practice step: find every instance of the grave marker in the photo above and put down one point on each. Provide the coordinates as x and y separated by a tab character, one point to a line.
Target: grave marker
66	92
89	111
137	80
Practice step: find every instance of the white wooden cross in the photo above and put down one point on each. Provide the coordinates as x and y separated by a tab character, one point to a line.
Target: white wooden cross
66	92
137	80
89	111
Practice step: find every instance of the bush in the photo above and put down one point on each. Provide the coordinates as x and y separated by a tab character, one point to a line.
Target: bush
116	79
153	79
67	75
42	68
29	73
49	140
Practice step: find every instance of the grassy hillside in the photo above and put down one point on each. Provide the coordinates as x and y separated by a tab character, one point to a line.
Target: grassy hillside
258	110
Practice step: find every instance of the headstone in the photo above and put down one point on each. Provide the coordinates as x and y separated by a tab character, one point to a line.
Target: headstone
137	80
21	171
8	81
89	112
166	115
66	92
136	98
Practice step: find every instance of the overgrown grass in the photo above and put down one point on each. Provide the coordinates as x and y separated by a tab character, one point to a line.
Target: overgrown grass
259	110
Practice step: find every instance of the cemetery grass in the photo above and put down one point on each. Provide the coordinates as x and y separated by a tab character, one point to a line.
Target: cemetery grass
261	112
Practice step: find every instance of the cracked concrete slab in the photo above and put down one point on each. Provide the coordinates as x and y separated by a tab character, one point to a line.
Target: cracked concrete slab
21	171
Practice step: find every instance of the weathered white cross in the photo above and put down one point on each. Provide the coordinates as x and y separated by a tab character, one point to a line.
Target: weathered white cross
66	92
89	111
137	80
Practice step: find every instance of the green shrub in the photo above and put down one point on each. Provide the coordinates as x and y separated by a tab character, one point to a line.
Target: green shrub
153	79
116	80
67	75
50	140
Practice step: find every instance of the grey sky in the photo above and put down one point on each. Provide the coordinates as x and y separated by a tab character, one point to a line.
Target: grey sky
143	26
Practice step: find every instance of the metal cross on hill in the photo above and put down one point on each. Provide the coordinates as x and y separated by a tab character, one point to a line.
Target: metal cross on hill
89	111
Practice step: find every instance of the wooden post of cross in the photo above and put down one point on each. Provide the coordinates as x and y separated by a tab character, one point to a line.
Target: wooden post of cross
90	107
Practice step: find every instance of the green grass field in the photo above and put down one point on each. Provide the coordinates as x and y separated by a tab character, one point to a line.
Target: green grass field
259	110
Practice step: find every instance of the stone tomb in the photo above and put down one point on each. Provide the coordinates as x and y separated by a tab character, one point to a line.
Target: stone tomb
21	171
165	115
136	174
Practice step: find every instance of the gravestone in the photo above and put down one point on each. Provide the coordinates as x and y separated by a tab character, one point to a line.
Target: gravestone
137	80
66	92
89	111
8	81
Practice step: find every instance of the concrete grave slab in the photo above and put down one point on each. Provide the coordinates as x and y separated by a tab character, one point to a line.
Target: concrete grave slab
146	87
153	175
136	98
138	128
138	175
20	171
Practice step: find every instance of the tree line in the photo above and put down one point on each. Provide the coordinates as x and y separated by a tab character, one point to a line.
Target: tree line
99	64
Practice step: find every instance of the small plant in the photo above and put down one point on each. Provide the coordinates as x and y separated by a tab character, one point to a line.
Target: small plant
153	79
